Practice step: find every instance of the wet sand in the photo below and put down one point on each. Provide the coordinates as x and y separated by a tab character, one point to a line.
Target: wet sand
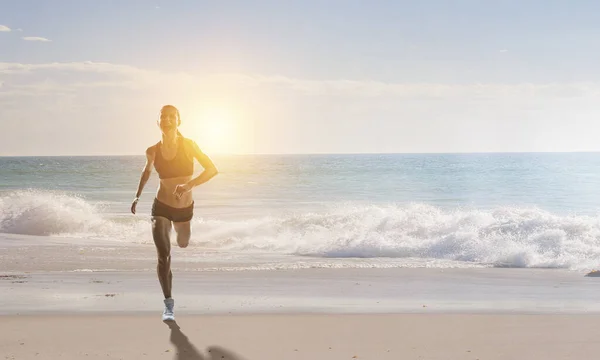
69	312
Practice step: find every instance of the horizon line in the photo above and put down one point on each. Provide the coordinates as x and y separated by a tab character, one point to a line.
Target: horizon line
329	153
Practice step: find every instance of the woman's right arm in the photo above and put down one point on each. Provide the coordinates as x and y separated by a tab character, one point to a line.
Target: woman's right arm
144	177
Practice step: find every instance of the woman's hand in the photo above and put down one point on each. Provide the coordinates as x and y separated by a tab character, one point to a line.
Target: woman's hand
181	189
133	205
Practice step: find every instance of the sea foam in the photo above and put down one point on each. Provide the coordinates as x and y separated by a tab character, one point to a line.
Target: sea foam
502	237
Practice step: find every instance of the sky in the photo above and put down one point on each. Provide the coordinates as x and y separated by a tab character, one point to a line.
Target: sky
83	77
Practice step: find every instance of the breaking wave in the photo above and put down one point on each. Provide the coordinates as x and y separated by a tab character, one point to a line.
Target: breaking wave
508	236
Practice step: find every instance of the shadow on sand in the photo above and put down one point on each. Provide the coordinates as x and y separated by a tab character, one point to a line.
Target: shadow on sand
185	350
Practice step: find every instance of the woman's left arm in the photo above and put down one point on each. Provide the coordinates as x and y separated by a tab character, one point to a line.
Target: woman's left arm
210	170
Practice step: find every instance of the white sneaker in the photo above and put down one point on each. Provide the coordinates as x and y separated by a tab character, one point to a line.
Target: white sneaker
168	312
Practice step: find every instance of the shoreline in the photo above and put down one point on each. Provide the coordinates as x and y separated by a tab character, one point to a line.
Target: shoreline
339	291
32	254
51	308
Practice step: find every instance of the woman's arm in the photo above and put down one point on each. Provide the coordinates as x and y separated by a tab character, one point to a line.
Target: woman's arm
146	171
210	170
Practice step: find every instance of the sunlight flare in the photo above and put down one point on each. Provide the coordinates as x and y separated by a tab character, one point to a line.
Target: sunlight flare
218	129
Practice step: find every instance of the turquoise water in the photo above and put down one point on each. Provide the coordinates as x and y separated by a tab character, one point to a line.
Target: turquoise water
537	210
559	183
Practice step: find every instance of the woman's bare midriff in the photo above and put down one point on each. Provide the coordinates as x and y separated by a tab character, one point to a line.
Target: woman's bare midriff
166	188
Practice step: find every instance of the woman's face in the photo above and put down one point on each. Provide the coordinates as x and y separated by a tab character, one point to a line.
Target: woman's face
168	120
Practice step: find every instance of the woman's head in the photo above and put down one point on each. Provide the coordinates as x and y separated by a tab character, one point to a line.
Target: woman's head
169	119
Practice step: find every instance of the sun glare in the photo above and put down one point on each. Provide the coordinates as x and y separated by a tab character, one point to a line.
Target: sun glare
218	130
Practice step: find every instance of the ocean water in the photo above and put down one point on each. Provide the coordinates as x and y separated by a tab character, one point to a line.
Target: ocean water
388	210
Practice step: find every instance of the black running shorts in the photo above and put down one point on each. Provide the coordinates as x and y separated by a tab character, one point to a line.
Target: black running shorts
171	213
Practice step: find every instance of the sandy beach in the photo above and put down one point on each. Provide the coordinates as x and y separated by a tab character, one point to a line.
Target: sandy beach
270	337
397	313
64	300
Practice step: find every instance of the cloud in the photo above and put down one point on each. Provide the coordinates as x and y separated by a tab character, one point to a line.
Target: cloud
67	76
4	28
82	66
85	67
374	89
77	78
503	50
111	104
73	76
35	38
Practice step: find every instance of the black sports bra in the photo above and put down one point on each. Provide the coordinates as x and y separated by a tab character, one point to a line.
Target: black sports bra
181	165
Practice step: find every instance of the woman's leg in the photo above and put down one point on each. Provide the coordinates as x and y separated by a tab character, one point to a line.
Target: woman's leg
161	229
184	232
